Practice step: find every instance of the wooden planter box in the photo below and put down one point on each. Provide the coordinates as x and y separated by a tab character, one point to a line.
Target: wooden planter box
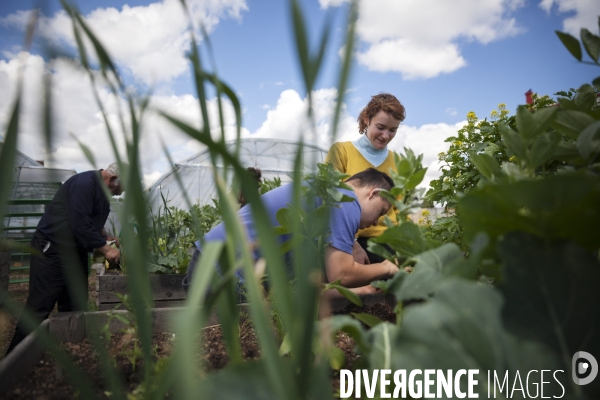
74	327
166	290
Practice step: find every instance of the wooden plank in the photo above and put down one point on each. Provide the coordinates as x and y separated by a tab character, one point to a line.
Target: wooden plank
68	327
157	304
164	287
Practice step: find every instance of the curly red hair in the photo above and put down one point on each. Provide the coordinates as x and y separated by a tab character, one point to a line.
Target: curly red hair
380	102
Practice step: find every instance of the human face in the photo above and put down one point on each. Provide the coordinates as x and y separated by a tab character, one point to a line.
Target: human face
372	208
381	129
114	185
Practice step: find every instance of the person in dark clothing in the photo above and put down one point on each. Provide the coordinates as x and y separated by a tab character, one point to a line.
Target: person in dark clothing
71	227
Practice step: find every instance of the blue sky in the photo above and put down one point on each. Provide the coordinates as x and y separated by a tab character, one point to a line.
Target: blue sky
441	59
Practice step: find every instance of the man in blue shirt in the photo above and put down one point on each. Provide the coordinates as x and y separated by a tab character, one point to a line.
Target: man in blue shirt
72	226
344	258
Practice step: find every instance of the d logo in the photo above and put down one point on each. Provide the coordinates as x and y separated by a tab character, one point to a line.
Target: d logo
582	364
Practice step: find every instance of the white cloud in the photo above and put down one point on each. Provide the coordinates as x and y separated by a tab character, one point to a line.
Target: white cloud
288	119
586	14
420	38
76	113
451	111
149	41
411	59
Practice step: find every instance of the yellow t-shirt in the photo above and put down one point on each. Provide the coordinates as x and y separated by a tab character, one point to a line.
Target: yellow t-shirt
347	159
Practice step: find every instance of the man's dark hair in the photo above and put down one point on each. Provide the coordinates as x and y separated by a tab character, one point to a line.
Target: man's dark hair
372	178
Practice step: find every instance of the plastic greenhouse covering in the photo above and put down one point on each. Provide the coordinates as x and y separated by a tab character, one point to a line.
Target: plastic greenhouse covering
31	181
275	158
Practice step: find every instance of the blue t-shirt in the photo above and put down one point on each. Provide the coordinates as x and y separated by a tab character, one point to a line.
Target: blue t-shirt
343	222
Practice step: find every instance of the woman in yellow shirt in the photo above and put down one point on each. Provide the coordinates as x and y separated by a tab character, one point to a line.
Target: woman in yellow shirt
378	123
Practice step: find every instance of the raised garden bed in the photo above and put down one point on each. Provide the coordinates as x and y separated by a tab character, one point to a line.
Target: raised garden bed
40	374
166	290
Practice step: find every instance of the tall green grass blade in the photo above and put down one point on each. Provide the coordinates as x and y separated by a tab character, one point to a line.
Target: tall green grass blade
183	367
345	69
9	147
301	38
279	380
86	151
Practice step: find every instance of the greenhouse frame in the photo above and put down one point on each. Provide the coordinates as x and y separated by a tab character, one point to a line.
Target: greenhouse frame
274	157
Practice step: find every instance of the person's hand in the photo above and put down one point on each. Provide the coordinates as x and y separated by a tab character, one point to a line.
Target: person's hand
368	290
113	239
359	254
392	268
111	254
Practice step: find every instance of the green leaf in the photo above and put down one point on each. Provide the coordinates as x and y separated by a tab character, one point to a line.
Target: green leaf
154	268
531	124
285	219
571	43
487	165
557	207
588	142
415	179
393	284
567	151
512	140
170	260
586	98
406	238
591	43
461	328
337	358
383	337
551	295
542	149
431	268
367	319
571	123
344	291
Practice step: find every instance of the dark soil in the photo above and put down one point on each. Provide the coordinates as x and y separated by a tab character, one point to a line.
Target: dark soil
48	381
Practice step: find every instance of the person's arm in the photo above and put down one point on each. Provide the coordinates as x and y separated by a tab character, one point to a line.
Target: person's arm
341	266
359	254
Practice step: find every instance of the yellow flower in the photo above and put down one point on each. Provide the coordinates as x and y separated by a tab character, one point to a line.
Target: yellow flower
457	143
494	114
501	106
442	154
512	159
471	116
425	213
